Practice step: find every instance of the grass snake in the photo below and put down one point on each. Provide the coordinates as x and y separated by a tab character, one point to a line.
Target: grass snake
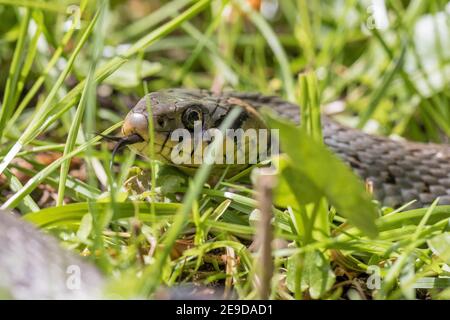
33	265
400	171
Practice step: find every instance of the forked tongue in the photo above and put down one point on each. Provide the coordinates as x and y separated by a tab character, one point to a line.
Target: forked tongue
121	143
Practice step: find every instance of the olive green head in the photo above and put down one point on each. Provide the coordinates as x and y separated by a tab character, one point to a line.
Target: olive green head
192	111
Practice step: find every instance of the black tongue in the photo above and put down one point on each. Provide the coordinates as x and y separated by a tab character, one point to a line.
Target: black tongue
108	137
122	142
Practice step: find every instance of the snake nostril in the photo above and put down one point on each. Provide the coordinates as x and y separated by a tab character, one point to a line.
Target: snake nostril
135	123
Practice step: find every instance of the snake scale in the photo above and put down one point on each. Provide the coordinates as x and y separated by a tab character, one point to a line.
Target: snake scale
400	171
34	266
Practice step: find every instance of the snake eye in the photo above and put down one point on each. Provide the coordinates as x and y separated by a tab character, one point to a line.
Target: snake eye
191	115
161	122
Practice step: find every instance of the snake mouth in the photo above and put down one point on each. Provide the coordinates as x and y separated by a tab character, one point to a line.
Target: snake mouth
123	142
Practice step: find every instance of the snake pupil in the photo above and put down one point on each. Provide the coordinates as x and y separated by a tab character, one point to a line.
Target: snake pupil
190	116
161	122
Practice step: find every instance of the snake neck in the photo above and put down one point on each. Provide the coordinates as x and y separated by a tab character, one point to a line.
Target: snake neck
400	171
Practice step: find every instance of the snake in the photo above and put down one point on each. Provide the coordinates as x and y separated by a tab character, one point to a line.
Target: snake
399	171
34	266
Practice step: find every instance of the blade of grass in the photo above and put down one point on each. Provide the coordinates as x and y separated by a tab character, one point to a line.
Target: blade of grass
274	43
394	272
34	182
99	219
167	28
141	26
40	80
151	134
49	217
46	107
72	136
77	189
76	123
153	276
16	185
112	65
427	106
14	74
48	6
380	91
31	52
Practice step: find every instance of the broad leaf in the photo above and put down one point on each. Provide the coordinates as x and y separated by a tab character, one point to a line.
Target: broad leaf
317	168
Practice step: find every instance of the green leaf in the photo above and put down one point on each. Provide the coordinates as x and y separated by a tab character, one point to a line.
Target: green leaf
317	276
49	217
293	192
170	180
317	168
85	228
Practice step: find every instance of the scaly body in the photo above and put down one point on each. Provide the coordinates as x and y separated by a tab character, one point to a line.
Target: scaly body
400	171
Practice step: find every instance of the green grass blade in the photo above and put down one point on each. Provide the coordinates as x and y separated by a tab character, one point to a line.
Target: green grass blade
40	80
141	26
380	92
50	217
315	167
38	121
16	185
8	106
275	45
34	182
154	277
47	6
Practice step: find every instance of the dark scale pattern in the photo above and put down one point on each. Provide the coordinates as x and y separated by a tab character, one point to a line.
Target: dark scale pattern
399	171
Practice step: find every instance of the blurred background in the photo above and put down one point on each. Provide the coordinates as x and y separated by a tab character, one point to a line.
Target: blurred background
382	65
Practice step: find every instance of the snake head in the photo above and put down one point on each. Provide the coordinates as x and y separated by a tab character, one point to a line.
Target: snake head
174	109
